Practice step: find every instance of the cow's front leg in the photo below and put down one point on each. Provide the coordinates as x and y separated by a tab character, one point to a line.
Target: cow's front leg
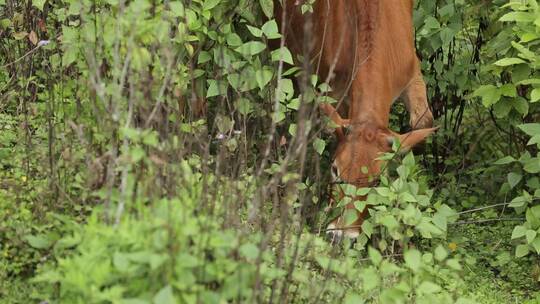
415	98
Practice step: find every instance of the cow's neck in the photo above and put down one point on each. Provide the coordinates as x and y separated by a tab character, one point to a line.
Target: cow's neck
369	114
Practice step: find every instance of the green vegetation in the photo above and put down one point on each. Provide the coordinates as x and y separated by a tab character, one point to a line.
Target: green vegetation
162	152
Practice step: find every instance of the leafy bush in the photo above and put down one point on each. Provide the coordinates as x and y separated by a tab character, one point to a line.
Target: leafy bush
170	253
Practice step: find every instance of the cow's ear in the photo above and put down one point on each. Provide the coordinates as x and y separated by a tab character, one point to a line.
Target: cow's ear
410	139
332	113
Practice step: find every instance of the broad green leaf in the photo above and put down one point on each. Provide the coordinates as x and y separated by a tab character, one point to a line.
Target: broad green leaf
39	4
522	250
264	76
367	228
292	129
413	259
390	222
210	4
490	94
249	251
530	235
165	296
216	88
267	7
535	140
535	95
518	17
505	160
519	231
255	31
440	253
362	191
350	215
353	298
243	105
233	39
530	128
271	30
454	264
514	179
536	245
532	165
282	54
204	57
375	256
177	8
428	287
251	48
319	145
508	61
370	278
39	241
508	90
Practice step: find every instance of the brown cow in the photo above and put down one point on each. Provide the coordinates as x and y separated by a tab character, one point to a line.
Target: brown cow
365	50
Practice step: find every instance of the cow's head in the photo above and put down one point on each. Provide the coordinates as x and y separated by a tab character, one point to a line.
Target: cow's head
356	162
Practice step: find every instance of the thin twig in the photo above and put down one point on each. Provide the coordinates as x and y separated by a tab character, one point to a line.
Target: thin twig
483	208
512	219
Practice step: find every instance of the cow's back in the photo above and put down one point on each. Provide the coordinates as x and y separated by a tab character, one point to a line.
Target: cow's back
355	39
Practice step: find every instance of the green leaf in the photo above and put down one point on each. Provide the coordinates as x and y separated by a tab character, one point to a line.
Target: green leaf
490	94
407	197
177	8
251	48
210	4
319	145
249	251
413	259
454	264
375	256
362	191
440	221
428	287
216	88
508	61
522	250
292	129
267	7
530	128
536	245
282	54
514	179
204	56
367	228
165	296
518	17
535	95
535	140
39	4
264	76
39	241
350	215
271	30
255	31
519	231
505	160
353	298
508	90
530	235
390	222
243	105
532	165
233	39
440	253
